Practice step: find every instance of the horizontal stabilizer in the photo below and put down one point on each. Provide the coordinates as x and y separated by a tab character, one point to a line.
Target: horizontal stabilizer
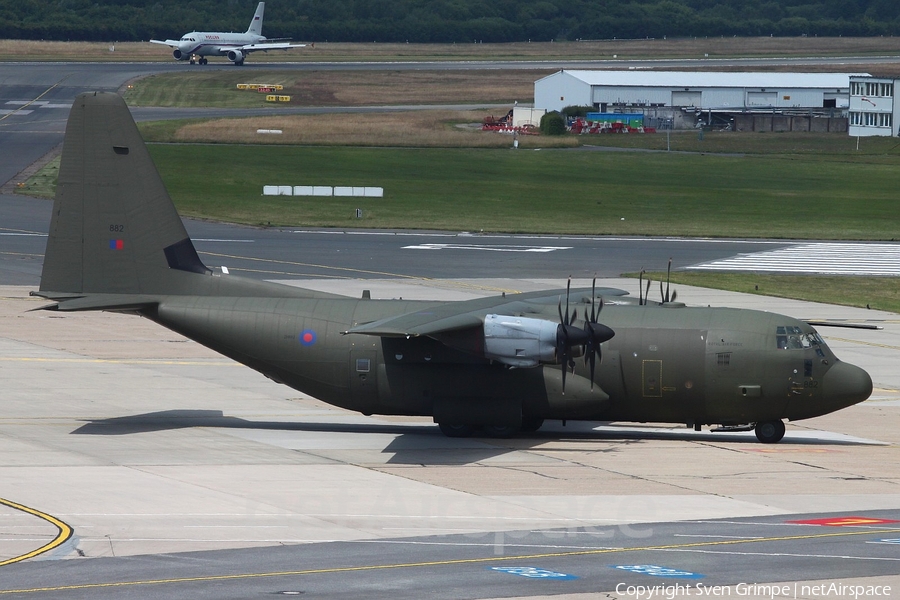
108	302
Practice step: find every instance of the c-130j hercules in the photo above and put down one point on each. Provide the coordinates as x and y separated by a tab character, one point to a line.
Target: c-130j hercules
497	365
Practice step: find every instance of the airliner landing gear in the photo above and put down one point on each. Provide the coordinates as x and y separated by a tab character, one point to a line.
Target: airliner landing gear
203	61
770	432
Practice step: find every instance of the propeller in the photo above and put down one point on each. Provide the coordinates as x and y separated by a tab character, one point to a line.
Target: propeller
590	336
665	297
596	333
567	335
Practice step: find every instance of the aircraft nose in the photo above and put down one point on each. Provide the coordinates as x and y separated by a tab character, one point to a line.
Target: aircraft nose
845	384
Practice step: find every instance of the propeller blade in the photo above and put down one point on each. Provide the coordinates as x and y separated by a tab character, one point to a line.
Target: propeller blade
647	293
593	352
641	287
564	369
668	275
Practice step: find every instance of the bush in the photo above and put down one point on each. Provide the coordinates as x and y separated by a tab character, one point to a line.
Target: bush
578	111
553	123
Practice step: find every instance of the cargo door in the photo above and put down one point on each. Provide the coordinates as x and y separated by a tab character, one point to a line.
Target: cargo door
651	375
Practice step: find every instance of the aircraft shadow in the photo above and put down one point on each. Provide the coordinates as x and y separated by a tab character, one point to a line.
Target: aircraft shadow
184	419
424	444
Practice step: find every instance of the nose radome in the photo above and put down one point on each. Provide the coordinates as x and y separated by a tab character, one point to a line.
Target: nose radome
845	384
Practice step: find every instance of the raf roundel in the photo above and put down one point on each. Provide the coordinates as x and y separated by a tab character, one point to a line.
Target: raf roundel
307	337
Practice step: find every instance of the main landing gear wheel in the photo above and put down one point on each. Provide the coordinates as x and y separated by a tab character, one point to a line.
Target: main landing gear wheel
500	431
203	61
455	430
531	424
770	432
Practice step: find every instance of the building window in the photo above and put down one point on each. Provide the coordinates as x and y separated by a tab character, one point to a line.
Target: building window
869	119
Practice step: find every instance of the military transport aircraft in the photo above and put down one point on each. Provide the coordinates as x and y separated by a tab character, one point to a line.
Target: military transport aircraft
495	365
197	45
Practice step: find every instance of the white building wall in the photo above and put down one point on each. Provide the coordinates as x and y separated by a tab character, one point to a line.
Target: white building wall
874	109
718	90
559	90
736	98
630	95
525	115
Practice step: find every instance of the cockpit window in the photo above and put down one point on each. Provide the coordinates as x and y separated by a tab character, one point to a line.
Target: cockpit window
791	337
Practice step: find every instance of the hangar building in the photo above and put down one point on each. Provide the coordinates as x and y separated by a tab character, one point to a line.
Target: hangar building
613	90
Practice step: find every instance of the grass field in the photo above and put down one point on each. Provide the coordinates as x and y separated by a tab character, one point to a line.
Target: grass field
578	190
411	129
560	191
879	293
336	88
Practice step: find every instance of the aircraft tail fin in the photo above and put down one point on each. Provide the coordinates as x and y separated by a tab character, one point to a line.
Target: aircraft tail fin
256	24
114	229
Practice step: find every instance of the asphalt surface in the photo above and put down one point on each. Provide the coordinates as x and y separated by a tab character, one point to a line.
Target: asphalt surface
303	253
696	554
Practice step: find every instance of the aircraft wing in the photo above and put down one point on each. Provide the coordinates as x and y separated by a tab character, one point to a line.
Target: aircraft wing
456	316
424	322
170	43
266	47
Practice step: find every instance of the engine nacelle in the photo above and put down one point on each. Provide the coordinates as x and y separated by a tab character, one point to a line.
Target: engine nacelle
179	55
235	56
519	341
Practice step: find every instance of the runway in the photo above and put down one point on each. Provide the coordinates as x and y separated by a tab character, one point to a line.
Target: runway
562	561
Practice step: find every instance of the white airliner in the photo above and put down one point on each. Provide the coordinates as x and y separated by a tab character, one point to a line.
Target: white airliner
197	45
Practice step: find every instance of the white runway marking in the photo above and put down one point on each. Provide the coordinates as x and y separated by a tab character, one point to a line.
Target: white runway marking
821	258
486	247
37	104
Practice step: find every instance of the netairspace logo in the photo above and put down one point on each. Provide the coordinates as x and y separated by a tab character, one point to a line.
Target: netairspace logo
754	590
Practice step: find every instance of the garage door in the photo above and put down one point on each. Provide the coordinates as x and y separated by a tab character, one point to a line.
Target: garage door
762	98
686	98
